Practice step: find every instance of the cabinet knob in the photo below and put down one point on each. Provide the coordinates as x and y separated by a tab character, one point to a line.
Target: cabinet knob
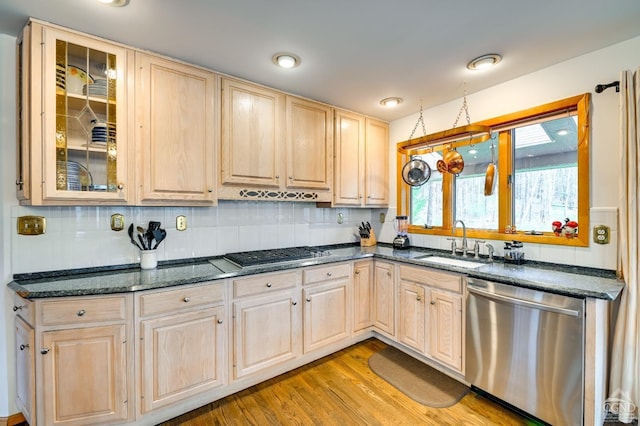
269	285
389	273
15	308
23	347
186	300
219	321
308	299
277	176
290	177
44	351
419	298
120	186
294	303
81	312
433	302
210	190
19	183
357	272
328	274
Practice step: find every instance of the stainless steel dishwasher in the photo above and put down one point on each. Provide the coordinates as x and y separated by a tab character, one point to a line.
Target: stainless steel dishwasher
526	347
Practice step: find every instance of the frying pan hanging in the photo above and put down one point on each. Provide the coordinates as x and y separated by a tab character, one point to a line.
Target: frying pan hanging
489	180
416	172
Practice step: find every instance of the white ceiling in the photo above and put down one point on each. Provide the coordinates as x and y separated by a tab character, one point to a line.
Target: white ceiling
354	52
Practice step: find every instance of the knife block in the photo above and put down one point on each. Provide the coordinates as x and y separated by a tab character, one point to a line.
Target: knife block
368	242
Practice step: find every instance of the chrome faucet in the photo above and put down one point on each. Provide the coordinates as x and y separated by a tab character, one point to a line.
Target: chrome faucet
465	247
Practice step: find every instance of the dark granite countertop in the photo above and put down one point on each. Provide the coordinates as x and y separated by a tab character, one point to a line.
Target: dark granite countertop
566	280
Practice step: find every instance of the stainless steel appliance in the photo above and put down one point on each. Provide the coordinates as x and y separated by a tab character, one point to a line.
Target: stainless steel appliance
526	348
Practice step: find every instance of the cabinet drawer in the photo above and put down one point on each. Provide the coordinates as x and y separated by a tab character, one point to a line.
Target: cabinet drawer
433	278
181	298
324	273
24	309
80	310
265	284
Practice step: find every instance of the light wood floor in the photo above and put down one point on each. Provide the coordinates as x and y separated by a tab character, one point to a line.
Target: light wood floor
340	390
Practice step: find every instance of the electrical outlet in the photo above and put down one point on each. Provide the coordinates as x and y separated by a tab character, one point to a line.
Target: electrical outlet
117	222
181	223
340	218
31	225
601	234
382	217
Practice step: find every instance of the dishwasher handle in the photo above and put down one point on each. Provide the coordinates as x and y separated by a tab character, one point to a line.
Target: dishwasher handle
522	302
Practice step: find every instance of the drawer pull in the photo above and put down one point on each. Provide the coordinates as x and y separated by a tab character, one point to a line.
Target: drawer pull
44	351
186	300
81	312
23	347
15	308
269	285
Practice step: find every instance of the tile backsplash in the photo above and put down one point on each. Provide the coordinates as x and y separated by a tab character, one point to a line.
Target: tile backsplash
80	237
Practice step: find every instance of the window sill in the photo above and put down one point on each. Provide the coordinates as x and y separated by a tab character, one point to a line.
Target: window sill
550	238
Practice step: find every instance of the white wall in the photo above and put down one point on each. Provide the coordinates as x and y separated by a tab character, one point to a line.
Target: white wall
7	197
570	78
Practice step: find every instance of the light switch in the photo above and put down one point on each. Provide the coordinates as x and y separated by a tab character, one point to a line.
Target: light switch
601	234
31	225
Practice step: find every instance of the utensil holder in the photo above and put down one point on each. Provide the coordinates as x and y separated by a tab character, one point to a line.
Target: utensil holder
148	259
368	242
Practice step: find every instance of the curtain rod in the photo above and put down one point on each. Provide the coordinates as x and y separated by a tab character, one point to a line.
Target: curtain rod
602	87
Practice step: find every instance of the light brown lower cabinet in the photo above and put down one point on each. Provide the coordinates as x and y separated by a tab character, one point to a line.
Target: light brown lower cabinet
266	322
85	375
327	305
181	336
363	299
148	356
74	360
430	311
25	369
384	291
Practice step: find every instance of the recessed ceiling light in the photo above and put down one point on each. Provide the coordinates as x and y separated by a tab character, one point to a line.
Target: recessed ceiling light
115	3
391	102
485	61
286	60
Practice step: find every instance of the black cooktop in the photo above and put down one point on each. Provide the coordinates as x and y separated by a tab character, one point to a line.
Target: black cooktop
259	257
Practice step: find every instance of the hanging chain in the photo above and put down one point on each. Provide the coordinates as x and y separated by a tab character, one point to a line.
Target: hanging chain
420	120
463	107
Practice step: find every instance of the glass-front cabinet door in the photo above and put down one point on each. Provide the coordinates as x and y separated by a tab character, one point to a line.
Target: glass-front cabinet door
84	125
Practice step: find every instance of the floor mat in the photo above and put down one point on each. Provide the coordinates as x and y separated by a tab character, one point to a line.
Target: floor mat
415	379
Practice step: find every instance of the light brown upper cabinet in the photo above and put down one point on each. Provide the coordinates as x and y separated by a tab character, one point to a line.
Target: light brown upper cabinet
274	146
309	141
100	123
175	132
72	118
361	161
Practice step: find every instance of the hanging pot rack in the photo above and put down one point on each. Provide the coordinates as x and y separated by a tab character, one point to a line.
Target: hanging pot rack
471	133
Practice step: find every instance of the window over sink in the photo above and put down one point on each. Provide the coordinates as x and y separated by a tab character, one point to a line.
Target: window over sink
541	189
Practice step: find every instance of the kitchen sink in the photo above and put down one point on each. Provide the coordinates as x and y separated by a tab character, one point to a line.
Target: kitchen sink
449	261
